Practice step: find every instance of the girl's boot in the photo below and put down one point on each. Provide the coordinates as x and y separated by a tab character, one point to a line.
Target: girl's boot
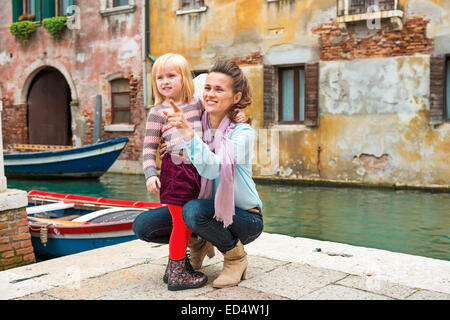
182	276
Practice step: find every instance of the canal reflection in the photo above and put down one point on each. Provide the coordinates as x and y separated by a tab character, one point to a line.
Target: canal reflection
412	222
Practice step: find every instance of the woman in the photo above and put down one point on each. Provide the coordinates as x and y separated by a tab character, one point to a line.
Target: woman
228	212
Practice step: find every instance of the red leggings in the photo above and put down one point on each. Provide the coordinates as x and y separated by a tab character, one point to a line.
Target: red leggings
180	234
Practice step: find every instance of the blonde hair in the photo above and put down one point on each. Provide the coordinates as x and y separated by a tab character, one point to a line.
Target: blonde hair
181	65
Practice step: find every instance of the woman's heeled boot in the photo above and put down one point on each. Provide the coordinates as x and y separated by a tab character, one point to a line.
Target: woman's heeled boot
234	267
182	276
198	249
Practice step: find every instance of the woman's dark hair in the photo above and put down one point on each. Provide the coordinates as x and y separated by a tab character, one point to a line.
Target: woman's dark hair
240	84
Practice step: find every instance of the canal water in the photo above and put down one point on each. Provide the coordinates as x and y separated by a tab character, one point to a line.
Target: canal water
407	221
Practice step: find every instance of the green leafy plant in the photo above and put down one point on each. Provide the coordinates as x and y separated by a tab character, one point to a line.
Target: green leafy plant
55	26
22	30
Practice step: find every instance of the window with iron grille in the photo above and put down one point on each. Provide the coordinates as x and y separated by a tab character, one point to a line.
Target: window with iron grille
120	98
362	6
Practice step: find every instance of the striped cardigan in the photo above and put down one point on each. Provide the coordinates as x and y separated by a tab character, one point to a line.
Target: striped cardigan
157	128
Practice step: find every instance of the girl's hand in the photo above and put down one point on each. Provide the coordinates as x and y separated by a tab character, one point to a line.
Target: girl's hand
153	184
240	116
178	120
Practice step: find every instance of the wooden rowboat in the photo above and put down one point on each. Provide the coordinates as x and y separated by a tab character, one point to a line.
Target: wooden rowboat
62	224
89	161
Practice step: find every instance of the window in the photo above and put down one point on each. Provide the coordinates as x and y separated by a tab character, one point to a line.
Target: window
191	7
114	7
291	94
191	4
39	9
118	3
120	98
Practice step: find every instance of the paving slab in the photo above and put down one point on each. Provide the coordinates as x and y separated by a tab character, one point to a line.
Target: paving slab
293	280
377	286
336	292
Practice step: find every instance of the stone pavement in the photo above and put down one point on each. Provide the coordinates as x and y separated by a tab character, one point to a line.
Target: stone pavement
280	268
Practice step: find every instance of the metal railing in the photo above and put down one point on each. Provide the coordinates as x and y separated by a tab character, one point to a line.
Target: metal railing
349	7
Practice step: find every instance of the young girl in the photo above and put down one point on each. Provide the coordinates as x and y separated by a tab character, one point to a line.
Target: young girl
180	182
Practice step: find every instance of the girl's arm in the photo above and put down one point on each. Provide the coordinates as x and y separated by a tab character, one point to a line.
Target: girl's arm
153	133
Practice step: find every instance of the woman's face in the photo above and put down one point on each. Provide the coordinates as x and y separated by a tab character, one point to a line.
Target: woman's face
218	96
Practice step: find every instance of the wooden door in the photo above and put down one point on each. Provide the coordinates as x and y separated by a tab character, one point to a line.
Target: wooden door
48	109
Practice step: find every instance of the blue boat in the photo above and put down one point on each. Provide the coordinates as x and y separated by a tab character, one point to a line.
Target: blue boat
89	161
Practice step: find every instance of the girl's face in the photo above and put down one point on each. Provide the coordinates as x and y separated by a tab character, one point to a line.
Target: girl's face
169	83
218	96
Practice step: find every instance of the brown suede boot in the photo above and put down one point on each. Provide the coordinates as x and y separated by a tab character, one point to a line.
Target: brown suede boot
198	249
234	267
181	276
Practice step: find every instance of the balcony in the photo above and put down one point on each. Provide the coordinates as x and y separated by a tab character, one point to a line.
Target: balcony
363	10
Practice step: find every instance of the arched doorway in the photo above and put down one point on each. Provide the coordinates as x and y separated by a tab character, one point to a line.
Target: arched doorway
49	119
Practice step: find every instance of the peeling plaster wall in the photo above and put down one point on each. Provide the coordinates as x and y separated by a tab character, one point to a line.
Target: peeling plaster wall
86	57
382	114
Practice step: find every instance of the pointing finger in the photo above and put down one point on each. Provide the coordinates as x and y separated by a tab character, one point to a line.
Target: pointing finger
174	106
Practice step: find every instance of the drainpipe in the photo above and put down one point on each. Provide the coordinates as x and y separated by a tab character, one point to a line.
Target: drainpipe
2	169
146	48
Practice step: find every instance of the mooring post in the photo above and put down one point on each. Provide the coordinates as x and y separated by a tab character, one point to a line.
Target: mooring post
97	118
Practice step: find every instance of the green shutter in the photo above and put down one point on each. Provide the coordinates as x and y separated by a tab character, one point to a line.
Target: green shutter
17	9
48	8
38	10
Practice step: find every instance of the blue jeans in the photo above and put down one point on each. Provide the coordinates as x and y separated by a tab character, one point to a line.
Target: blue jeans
198	215
156	225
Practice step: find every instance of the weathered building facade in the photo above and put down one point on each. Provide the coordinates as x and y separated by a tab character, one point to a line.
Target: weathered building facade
344	91
49	87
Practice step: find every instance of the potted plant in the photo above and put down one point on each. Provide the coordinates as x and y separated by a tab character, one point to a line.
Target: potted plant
22	30
55	26
27	16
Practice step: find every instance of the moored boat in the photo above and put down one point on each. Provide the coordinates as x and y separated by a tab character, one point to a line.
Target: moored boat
89	161
62	224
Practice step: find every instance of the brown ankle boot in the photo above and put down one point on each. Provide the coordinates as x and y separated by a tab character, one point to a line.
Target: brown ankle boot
234	267
182	276
198	249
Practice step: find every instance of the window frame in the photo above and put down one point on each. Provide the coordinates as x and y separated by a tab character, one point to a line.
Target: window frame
296	85
189	9
121	109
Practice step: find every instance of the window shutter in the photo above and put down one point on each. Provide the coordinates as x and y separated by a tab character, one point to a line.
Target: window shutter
48	8
312	94
17	9
269	94
38	12
437	89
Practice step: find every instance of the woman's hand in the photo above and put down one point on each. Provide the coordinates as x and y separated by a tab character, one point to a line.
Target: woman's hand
153	184
178	120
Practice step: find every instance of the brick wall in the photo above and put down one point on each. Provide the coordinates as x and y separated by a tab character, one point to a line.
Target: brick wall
11	116
15	239
385	42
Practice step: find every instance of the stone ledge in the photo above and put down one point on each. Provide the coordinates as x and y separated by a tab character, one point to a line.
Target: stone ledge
13	199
